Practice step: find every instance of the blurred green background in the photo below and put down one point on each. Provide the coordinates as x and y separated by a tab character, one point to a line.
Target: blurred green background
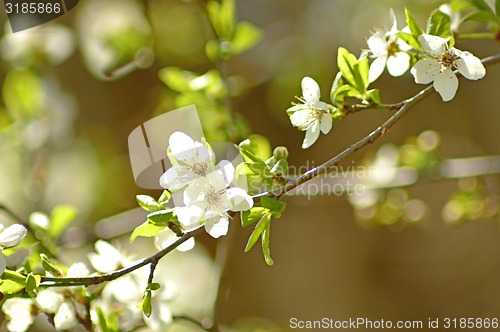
73	150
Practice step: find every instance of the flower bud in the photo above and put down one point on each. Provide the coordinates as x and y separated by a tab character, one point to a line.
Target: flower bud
280	152
12	235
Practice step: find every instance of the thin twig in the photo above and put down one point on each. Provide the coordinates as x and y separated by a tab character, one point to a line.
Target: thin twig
87	281
293	183
404	107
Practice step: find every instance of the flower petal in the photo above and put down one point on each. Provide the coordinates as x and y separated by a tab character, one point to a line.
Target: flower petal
217	226
394	21
186	246
398	64
377	44
49	300
186	150
446	84
65	318
190	216
238	199
217	180
175	178
377	68
301	119
310	90
19	312
227	169
78	270
433	45
312	135
12	235
470	66
106	249
326	123
194	192
426	70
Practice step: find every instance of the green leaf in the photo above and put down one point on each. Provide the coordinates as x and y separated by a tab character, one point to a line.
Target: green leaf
355	71
259	228
145	229
280	167
107	324
148	203
49	266
363	69
176	79
415	29
337	83
439	24
212	50
409	39
9	287
265	245
101	319
11	282
482	5
374	95
145	305
227	19
256	148
154	286
165	197
346	62
32	283
162	218
23	93
253	215
245	37
273	205
60	218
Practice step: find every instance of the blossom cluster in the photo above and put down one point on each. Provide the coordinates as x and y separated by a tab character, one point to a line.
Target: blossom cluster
434	59
207	188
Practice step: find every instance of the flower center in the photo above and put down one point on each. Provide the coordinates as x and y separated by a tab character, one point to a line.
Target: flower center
447	59
214	197
392	47
199	168
316	113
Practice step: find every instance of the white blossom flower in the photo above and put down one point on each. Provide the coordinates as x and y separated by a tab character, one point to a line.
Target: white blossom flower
439	65
57	301
388	50
49	300
10	237
19	312
311	115
207	201
107	257
190	159
65	317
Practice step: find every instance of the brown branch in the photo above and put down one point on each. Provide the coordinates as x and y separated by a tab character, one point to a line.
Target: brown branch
403	107
87	281
292	184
